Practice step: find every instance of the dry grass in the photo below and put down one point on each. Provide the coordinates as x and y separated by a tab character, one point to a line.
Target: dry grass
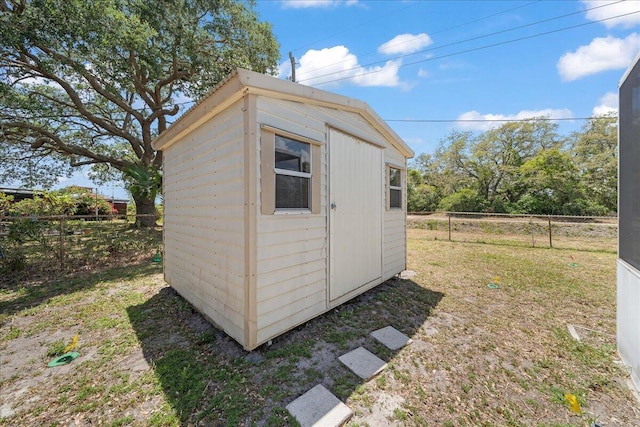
480	356
504	356
520	231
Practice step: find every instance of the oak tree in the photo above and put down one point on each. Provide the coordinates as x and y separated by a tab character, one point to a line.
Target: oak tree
93	82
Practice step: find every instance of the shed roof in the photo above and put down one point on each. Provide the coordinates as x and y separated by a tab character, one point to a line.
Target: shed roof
242	82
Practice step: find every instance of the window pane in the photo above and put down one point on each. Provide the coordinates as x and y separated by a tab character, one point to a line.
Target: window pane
395	198
293	155
292	192
394	177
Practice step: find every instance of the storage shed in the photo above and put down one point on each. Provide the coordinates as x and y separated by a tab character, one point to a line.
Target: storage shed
281	201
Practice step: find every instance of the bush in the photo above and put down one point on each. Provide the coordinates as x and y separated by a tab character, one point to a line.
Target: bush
5	204
465	200
68	201
422	198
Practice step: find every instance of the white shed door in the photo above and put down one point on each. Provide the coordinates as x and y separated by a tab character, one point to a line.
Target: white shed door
355	220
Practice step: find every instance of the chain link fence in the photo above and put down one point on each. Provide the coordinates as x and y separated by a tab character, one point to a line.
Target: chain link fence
35	245
565	232
31	247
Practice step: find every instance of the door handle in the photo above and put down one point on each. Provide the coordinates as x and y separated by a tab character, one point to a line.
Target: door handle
333	205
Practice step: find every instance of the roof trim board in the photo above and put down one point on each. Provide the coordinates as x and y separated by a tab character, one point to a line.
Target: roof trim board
243	82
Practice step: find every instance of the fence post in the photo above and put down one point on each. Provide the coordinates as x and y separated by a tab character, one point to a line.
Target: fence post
533	240
61	241
449	215
550	240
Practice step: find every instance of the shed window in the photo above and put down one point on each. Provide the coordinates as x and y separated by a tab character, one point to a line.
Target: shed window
395	188
293	173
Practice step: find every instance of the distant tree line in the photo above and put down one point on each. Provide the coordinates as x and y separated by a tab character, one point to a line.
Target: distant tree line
520	167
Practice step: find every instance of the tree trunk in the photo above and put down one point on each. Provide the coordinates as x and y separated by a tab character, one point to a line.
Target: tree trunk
145	212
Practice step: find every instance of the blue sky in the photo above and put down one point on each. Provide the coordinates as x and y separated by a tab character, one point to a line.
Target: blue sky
447	60
415	61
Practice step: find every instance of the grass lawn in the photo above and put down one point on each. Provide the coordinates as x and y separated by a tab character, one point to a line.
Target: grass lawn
479	357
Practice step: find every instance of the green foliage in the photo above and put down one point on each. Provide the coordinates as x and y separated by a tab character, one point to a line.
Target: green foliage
595	154
465	200
520	167
56	348
68	201
421	197
5	204
74	93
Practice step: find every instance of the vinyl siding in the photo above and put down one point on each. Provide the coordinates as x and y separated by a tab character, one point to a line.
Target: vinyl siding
395	222
204	220
292	248
292	284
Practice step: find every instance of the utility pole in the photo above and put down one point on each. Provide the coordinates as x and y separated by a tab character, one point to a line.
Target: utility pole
293	67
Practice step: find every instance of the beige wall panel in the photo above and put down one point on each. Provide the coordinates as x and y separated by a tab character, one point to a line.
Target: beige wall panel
268	331
394	157
299	258
292	223
288	280
395	242
287	248
278	238
204	201
292	117
298	296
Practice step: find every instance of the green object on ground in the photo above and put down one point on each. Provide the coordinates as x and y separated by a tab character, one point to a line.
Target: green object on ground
157	257
572	264
64	359
493	286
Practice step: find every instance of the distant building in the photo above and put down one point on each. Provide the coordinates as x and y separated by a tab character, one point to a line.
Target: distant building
119	204
18	193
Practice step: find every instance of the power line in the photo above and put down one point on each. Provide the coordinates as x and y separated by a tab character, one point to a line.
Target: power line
431	34
530	119
456	42
469	50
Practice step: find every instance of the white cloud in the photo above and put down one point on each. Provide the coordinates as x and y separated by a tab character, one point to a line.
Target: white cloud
304	4
386	75
608	104
331	66
602	54
405	43
423	73
613	9
488	121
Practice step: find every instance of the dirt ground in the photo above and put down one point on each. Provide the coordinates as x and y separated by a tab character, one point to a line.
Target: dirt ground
479	356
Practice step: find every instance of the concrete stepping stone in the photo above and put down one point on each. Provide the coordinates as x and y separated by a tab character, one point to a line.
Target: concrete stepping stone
319	408
407	274
363	363
391	338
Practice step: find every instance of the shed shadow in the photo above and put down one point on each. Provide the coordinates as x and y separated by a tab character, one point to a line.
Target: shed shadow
208	378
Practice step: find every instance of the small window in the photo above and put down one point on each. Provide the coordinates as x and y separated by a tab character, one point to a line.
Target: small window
395	188
293	173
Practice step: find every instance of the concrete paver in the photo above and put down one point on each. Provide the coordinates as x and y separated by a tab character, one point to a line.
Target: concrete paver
319	408
391	337
363	363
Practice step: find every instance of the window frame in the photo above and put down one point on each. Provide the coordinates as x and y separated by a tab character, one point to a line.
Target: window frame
297	174
399	188
269	172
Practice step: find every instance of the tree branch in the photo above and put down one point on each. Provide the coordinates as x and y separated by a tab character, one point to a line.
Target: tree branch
57	142
80	105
